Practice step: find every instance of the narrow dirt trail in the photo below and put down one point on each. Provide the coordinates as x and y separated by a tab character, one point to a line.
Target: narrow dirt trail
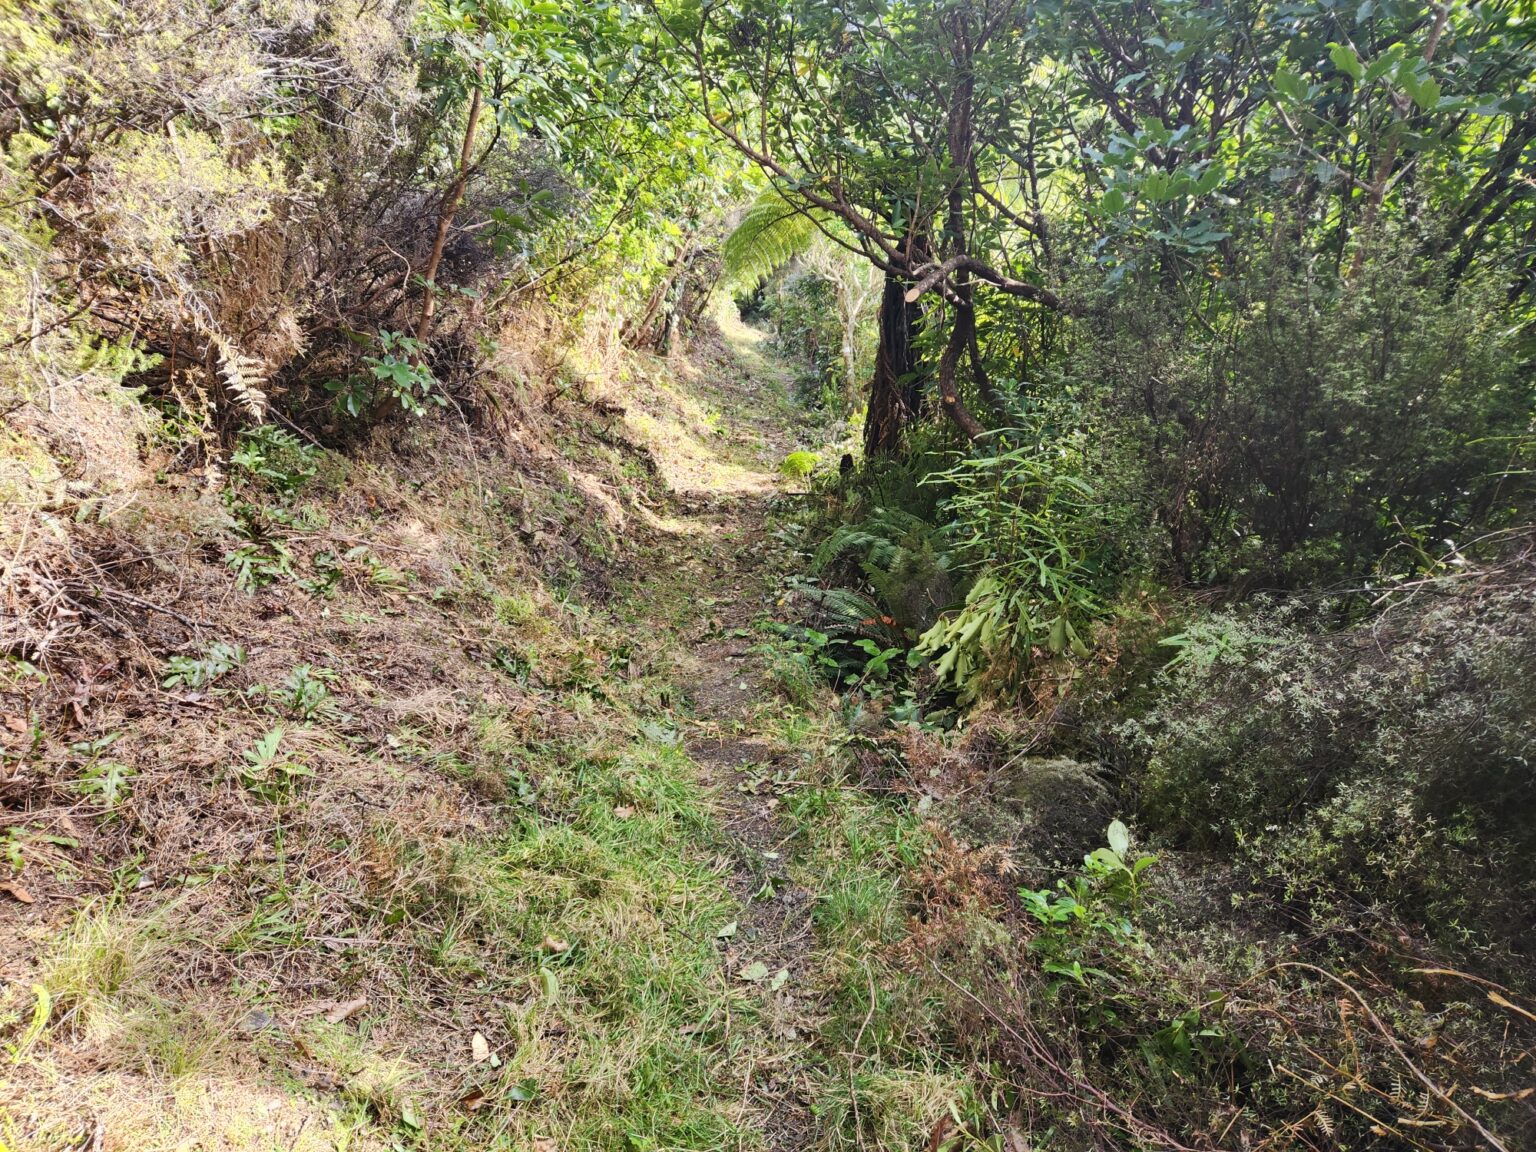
771	947
716	576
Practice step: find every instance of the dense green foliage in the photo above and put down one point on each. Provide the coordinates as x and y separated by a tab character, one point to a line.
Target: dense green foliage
1186	297
1390	762
1307	349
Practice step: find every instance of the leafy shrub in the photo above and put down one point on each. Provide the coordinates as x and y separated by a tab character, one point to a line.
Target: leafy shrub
277	463
797	667
798	465
274	458
101	777
267	773
305	693
1024	514
804	313
1314	428
396	375
1392	760
358	566
1092	912
258	564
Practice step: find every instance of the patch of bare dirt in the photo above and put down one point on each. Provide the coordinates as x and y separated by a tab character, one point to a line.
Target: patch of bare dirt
774	937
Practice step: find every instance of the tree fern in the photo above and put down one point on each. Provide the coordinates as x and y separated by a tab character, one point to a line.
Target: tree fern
770	235
904	559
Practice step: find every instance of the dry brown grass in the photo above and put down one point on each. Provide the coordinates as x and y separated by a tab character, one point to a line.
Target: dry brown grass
194	934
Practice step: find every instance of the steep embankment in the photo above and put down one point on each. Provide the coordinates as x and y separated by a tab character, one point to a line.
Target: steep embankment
419	798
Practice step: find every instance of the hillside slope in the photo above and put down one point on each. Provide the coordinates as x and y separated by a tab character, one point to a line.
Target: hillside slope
354	804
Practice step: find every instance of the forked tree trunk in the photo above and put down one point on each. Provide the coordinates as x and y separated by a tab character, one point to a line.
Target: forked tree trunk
893	392
642	332
949	363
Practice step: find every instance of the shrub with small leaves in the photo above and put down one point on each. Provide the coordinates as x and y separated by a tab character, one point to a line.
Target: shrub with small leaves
1390	761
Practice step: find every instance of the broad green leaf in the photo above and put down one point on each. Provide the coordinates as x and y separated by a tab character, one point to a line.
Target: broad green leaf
1119	838
1291	85
1426	93
1345	60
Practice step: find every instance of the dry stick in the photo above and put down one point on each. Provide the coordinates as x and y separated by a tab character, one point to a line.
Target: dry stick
1337	1099
333	538
1467	976
853	1092
295	428
147	605
1386	1035
1037	1048
934	275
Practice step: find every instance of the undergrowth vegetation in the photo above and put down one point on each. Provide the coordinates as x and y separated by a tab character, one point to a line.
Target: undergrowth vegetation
1316	919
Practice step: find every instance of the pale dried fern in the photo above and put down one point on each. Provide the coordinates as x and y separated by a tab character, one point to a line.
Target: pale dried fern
245	377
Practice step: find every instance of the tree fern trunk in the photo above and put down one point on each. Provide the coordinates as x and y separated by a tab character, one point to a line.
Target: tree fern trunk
893	396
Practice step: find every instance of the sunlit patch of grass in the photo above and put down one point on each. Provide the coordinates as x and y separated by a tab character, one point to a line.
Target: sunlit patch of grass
689	459
883	1082
173	1041
591	914
110	961
886	1105
218	1109
628	1040
168	1067
370	1080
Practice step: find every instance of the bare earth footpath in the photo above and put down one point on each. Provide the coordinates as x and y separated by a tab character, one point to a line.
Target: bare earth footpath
718	573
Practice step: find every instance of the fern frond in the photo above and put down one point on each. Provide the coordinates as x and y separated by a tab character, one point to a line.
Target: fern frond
770	235
881	537
840	606
244	377
849	538
1324	1121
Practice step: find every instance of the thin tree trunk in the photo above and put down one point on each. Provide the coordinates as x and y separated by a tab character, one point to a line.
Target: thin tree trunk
446	214
949	395
850	360
983	379
961	152
1386	158
641	332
